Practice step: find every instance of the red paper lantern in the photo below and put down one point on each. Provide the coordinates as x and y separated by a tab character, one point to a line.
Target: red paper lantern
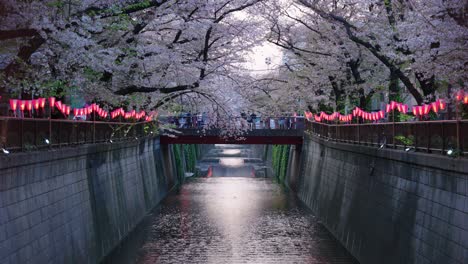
420	110
404	108
58	104
13	104
435	107
42	102
387	108
465	99
22	104
459	95
442	104
36	104
29	105
398	107
68	110
381	114
51	102
426	109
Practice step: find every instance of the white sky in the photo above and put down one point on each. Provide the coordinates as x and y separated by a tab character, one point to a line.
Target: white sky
257	57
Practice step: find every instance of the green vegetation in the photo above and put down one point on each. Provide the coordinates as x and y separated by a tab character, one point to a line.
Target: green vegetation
190	153
179	166
185	157
56	4
91	74
121	22
280	162
151	127
407	141
137	6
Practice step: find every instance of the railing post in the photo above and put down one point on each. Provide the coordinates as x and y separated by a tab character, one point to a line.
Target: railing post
457	124
359	134
428	138
22	133
336	132
94	126
443	138
415	137
50	125
458	137
59	134
393	129
35	133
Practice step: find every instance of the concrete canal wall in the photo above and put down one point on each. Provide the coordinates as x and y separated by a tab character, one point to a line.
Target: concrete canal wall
74	205
386	206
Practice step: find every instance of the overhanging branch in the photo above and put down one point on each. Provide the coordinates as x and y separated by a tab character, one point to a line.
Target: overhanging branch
164	90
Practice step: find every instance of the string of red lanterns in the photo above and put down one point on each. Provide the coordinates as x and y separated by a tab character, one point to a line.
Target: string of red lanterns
375	116
39	104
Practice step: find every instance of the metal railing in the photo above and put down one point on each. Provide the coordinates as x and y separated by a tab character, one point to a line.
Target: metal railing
448	136
22	134
192	122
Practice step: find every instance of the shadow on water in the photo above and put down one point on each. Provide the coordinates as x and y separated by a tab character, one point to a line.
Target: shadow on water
231	217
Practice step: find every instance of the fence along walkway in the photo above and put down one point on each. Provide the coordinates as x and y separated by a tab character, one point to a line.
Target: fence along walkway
20	134
449	136
443	137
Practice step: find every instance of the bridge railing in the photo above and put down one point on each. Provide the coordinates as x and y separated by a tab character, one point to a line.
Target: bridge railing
448	136
22	134
282	122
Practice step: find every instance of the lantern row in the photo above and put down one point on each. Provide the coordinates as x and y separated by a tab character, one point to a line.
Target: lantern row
374	116
461	96
39	104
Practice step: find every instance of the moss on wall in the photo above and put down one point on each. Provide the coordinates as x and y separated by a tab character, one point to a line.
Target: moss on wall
185	157
280	158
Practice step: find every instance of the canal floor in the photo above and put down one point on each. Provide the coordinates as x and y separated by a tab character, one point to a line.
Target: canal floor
230	220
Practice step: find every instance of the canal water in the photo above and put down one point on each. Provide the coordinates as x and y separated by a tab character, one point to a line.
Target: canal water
231	216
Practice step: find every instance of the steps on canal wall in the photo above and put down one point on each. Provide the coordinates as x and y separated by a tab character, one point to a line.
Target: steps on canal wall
386	206
74	205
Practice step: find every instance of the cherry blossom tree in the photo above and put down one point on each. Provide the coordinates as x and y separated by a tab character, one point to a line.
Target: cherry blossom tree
418	41
351	49
149	52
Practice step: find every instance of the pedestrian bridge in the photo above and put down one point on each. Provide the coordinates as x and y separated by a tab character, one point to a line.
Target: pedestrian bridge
265	131
262	136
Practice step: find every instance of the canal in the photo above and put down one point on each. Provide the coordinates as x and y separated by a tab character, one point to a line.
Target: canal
234	215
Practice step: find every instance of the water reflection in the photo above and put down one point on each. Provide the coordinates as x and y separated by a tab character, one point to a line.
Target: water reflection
231	151
227	219
231	162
